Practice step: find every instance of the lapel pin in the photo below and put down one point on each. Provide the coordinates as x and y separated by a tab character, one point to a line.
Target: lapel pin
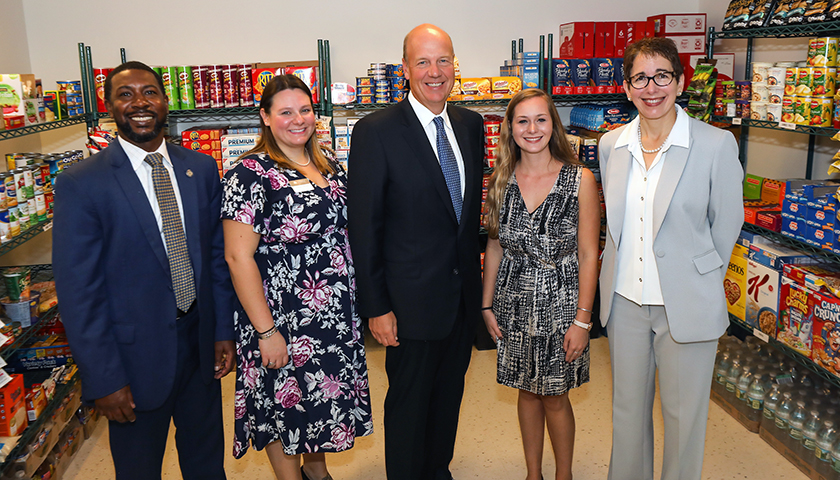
189	173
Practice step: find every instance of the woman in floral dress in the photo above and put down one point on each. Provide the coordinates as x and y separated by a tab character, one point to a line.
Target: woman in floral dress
301	385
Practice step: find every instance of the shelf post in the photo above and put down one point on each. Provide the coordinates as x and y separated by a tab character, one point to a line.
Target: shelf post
809	165
521	45
549	73
513	50
89	115
91	92
122	56
542	61
711	39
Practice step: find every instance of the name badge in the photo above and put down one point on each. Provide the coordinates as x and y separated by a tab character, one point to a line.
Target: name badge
302	185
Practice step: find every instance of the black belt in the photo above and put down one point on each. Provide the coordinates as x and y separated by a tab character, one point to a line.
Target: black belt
182	313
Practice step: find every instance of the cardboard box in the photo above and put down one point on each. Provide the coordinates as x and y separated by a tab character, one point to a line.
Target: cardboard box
677	23
13	418
689	43
623	33
752	187
764	269
577	40
202	145
735	282
14	88
505	85
531	76
794	228
753	207
770	218
795	322
825	347
234	152
478	86
242	140
604	39
773	191
197	133
794	209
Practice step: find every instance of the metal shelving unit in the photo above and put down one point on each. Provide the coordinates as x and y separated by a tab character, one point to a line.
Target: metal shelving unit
786	31
747	122
42	127
25	236
828	255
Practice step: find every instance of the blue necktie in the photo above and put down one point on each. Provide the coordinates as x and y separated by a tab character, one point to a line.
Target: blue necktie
450	167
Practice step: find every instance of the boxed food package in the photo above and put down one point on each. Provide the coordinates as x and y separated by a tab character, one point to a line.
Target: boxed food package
735	282
795	321
14	88
752	186
623	33
240	140
689	43
677	23
825	347
505	87
561	76
202	145
577	40
197	133
604	39
764	274
478	87
13	418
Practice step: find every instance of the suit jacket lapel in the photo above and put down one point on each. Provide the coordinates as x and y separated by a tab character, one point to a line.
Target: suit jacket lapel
189	202
465	145
416	138
133	190
618	170
672	169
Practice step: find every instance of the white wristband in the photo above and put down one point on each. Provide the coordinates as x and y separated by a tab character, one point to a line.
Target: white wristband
585	326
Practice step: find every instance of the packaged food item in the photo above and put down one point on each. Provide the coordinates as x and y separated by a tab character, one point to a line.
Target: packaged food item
603	74
737	14
342	93
821	111
780	12
815	11
309	75
804	81
759	70
186	93
760	93
215	80
99	76
823	81
822	52
758	110
246	88
201	91
505	86
700	90
260	77
760	15
170	86
796	14
230	85
832	12
788	104
475	86
802	110
775	94
581	76
17	281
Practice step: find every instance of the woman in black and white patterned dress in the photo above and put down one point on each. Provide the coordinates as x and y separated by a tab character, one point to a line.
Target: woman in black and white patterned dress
540	273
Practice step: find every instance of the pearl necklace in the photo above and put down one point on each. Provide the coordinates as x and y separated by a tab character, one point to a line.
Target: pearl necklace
309	159
655	149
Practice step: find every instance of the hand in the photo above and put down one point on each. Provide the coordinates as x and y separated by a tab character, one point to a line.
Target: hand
274	352
491	324
384	329
224	358
575	341
118	406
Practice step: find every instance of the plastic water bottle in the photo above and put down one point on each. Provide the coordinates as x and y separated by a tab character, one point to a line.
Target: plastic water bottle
835	458
783	417
755	397
809	436
825	443
721	369
797	423
732	378
744	380
771	403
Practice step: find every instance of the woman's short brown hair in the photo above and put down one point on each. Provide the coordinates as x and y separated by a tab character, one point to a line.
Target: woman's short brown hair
652	47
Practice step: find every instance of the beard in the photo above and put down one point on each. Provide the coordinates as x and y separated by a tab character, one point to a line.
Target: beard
126	131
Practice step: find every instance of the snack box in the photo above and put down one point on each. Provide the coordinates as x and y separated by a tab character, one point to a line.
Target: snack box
240	140
819	238
234	152
825	333
794	228
604	39
776	256
753	207
309	75
36	401
531	76
735	282
821	213
773	191
577	40
752	186
677	23
202	145
794	209
770	218
13	418
809	275
795	322
197	133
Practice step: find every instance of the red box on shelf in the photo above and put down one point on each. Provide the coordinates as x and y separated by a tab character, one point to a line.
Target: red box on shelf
604	39
770	219
677	24
562	90
624	32
13	418
577	40
639	32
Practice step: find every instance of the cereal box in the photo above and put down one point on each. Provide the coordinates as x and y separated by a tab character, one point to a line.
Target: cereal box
764	276
795	321
735	283
825	346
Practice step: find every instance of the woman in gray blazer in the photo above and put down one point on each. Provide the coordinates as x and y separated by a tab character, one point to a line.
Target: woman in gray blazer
672	187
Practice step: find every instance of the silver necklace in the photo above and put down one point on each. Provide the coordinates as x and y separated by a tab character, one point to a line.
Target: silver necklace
309	159
655	149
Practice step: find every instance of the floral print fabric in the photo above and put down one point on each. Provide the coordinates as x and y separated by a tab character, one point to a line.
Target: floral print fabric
319	402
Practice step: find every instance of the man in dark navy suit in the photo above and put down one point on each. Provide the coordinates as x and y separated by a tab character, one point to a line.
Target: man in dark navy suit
145	292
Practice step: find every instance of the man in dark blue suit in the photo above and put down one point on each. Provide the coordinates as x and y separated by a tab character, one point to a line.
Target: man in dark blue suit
145	292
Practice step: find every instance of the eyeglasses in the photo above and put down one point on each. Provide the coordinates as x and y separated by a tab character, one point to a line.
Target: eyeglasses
661	79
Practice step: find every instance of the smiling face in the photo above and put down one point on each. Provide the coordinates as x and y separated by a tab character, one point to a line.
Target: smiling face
429	64
531	126
291	119
654	102
138	107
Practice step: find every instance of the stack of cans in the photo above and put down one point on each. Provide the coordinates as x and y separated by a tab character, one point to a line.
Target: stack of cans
75	103
378	72
208	86
492	132
397	83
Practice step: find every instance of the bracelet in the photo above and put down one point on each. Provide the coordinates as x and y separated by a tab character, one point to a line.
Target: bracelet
584	310
585	326
268	333
486	308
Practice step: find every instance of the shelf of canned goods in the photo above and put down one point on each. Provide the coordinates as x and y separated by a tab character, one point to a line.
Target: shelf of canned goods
747	122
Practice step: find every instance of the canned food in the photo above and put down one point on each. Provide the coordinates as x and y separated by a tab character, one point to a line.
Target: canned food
395	70
5	236
492	128
774	112
758	110
364	99
382	65
246	87
364	82
46	177
802	110
804	81
10	161
823	81
786	64
759	70
377	73
41	207
49	200
28	182
491	140
17	281
398	95
14	222
11	189
186	94
215	86
776	76
21	161
385	99
230	85
366	90
201	90
33	212
760	92
170	86
822	52
821	109
836	118
775	94
397	83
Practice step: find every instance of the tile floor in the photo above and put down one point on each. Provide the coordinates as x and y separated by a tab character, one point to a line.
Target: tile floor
488	440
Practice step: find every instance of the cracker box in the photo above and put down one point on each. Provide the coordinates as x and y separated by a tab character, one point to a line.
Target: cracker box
677	23
241	140
197	133
735	283
795	322
260	78
13	407
577	40
202	145
825	346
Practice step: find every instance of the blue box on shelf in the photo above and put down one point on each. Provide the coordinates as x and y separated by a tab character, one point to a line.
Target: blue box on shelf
776	256
817	237
792	208
794	228
820	214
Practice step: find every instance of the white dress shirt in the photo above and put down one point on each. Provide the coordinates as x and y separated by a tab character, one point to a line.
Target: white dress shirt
637	278
137	157
427	120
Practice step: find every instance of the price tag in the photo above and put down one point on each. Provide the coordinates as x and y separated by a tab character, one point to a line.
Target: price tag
787	125
736	121
761	335
47	226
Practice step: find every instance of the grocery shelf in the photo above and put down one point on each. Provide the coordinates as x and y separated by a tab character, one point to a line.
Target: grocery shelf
61	392
42	127
792	243
747	122
598	98
802	360
803	30
215	114
28	332
559	100
25	236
